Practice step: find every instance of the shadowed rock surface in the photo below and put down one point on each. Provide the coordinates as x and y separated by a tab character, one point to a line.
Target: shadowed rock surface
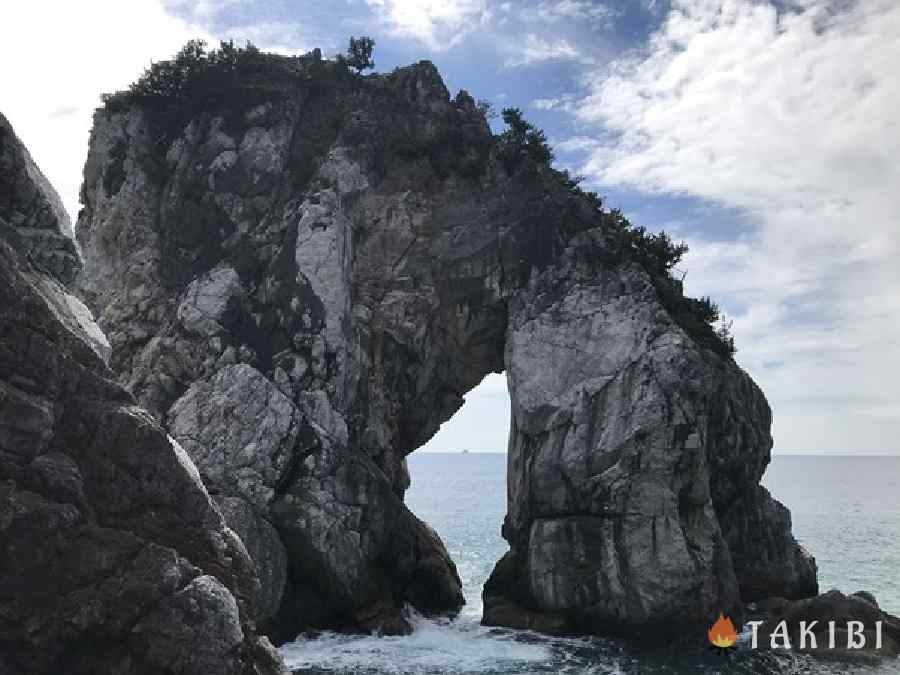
766	558
303	281
113	557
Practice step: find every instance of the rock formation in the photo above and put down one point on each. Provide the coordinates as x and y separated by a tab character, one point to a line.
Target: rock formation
113	557
303	274
30	205
819	613
639	451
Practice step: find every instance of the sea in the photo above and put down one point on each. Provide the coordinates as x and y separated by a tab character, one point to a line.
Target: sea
846	511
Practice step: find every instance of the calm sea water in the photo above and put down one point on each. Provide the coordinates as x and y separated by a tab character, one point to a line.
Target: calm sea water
846	511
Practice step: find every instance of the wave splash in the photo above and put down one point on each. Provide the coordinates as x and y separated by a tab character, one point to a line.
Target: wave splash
462	646
436	646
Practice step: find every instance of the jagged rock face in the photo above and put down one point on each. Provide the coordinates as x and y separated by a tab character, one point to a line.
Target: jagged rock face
30	204
113	556
38	222
609	456
627	452
304	288
766	558
246	311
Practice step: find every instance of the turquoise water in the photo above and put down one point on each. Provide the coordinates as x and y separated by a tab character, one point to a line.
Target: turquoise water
846	512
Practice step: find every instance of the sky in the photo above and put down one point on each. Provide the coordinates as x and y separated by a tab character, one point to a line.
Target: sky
764	134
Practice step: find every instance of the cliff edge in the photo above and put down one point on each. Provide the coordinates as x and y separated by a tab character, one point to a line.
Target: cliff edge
113	557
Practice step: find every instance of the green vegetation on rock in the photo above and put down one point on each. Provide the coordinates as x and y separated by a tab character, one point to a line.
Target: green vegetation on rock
231	78
657	253
359	53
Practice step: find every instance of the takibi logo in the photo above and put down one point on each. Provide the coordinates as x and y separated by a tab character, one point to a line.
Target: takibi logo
722	634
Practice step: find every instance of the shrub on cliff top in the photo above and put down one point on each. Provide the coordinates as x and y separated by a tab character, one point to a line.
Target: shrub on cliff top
359	53
193	71
657	253
522	140
230	78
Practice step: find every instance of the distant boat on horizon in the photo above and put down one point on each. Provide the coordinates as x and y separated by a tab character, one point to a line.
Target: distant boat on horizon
465	452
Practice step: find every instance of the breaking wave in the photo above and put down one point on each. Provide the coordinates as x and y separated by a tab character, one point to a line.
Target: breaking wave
439	646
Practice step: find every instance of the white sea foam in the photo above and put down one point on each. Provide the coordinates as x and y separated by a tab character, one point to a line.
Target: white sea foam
443	647
435	646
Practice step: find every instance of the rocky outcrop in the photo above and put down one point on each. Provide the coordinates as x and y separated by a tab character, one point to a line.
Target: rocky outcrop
30	205
784	621
304	283
766	558
113	557
629	452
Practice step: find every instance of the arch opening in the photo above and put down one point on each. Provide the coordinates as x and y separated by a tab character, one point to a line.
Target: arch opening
458	485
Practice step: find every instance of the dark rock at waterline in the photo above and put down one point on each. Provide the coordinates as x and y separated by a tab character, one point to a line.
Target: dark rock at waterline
113	558
304	281
772	605
836	607
867	596
506	603
767	560
425	569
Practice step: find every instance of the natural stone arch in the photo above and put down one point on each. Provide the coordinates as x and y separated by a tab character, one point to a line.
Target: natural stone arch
351	251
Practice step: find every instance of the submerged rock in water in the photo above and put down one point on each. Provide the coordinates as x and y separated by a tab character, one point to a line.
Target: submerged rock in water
304	280
113	557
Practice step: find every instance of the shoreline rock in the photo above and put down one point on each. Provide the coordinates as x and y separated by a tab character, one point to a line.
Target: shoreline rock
832	606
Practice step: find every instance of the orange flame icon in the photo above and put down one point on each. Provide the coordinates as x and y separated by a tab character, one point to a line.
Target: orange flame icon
722	633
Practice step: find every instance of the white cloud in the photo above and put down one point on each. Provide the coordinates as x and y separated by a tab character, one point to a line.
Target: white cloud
439	24
228	19
547	103
51	88
652	6
584	10
199	11
577	144
536	49
563	102
792	118
278	37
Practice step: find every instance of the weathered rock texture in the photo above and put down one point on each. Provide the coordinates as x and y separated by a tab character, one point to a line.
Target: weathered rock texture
113	557
302	282
30	204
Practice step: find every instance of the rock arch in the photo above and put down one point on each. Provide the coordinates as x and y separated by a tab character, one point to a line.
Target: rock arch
304	289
